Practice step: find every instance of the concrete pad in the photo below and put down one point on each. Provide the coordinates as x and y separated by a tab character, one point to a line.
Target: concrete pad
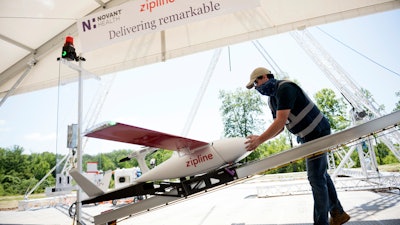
48	216
239	204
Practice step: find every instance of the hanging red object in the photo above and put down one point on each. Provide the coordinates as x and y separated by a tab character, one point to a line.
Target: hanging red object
68	50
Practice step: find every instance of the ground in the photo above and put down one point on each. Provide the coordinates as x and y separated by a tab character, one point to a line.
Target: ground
11	202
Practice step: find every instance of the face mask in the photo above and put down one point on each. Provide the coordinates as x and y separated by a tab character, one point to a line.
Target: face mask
268	88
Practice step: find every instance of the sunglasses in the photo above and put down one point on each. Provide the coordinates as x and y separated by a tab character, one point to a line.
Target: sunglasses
258	78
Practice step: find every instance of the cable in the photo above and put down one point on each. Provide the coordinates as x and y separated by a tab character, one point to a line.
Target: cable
359	53
58	113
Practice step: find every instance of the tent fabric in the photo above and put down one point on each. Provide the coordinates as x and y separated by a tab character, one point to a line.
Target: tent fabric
33	32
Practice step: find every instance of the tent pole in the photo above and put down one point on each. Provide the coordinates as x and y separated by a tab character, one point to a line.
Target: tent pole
79	147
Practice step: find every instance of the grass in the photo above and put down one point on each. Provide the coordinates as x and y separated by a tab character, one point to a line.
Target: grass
11	202
394	167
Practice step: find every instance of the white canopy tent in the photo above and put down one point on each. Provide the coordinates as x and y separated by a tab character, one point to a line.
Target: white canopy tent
33	32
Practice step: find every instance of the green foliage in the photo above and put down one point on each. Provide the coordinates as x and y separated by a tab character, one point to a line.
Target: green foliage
397	106
333	108
276	146
367	94
241	112
20	172
272	147
41	164
110	161
384	155
160	156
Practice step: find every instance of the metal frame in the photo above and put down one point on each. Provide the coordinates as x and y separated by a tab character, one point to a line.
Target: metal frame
321	145
162	194
363	108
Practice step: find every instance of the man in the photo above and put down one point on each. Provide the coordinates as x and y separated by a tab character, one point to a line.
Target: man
292	108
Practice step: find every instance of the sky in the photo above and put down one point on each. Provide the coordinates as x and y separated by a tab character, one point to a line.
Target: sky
160	96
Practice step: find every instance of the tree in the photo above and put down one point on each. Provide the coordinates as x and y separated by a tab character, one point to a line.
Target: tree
15	167
272	147
240	112
398	102
160	156
14	160
333	108
367	94
41	164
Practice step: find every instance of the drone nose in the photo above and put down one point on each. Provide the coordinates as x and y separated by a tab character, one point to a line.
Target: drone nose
230	149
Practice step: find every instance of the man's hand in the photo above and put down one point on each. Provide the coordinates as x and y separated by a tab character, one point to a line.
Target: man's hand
252	142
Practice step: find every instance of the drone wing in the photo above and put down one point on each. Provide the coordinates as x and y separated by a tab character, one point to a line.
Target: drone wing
140	136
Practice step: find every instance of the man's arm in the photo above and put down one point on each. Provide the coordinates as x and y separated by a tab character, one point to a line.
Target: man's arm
274	129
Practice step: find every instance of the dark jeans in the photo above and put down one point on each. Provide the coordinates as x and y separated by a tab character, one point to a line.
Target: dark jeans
323	189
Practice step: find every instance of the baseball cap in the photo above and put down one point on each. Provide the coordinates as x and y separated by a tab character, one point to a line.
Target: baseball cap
256	73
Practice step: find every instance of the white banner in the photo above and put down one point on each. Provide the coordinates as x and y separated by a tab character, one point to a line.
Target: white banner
140	17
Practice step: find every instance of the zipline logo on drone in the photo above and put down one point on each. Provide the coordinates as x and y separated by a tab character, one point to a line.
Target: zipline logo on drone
199	160
102	20
150	5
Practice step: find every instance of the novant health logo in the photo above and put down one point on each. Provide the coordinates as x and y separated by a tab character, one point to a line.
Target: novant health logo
102	20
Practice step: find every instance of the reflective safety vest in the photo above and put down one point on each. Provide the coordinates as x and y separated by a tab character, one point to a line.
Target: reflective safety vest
306	120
